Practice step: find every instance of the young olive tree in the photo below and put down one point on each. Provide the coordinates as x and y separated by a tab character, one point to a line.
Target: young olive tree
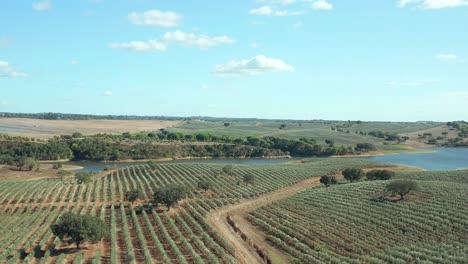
134	195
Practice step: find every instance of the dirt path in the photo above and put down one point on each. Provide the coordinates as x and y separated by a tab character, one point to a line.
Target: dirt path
245	254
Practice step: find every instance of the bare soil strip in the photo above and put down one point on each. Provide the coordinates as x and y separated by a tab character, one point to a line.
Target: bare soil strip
246	254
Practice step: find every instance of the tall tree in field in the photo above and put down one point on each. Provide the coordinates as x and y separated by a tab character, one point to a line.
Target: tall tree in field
328	180
79	228
353	175
248	179
134	195
402	187
169	195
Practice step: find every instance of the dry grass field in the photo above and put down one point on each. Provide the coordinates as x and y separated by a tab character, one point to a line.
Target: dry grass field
39	128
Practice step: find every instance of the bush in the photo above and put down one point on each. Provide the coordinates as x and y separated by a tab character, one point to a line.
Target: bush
380	175
352	174
328	180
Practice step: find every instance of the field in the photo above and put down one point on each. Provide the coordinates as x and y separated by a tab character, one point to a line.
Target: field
140	234
351	222
40	128
318	130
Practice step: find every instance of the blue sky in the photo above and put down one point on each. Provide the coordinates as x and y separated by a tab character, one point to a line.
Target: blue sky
300	59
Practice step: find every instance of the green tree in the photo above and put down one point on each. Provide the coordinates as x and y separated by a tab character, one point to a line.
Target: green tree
77	135
248	179
83	177
134	195
227	124
204	185
352	174
380	175
330	142
402	187
328	180
227	169
169	195
152	164
79	228
282	126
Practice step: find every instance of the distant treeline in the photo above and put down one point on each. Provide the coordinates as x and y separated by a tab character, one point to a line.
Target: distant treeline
61	116
126	146
462	128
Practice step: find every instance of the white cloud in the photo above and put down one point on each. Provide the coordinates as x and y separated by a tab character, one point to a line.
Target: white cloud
7	71
140	46
433	4
185	39
74	62
283	2
446	56
253	66
155	18
322	5
411	83
107	93
270	11
42	6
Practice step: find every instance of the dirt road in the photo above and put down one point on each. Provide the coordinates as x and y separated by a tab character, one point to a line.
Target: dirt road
245	254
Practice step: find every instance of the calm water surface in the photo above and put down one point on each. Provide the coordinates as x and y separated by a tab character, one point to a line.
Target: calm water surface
441	159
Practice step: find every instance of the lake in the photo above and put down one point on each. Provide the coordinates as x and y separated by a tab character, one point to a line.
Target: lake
99	166
440	159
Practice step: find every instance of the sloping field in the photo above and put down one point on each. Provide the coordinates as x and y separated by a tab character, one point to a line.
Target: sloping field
318	130
145	235
351	224
40	128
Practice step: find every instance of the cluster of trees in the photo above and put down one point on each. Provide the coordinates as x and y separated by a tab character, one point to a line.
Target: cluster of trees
62	116
385	135
353	175
400	187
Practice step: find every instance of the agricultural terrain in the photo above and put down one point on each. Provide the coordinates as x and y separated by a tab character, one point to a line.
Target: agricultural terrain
140	233
355	223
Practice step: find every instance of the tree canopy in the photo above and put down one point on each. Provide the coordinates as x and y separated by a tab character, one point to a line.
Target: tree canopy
328	180
380	175
134	195
402	187
169	195
79	228
248	178
204	185
352	174
84	177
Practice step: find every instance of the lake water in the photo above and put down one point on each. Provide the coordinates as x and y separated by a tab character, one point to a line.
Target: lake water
99	166
441	159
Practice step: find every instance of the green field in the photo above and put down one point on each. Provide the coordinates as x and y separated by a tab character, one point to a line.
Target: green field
349	223
144	235
318	130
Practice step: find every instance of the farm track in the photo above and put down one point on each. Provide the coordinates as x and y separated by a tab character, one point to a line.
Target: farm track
246	254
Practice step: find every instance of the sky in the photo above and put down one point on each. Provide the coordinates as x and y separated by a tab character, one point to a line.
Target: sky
392	60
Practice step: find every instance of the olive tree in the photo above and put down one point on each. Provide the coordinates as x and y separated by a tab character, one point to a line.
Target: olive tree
227	169
169	195
79	228
352	174
204	185
84	177
380	175
248	179
328	180
134	195
401	187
